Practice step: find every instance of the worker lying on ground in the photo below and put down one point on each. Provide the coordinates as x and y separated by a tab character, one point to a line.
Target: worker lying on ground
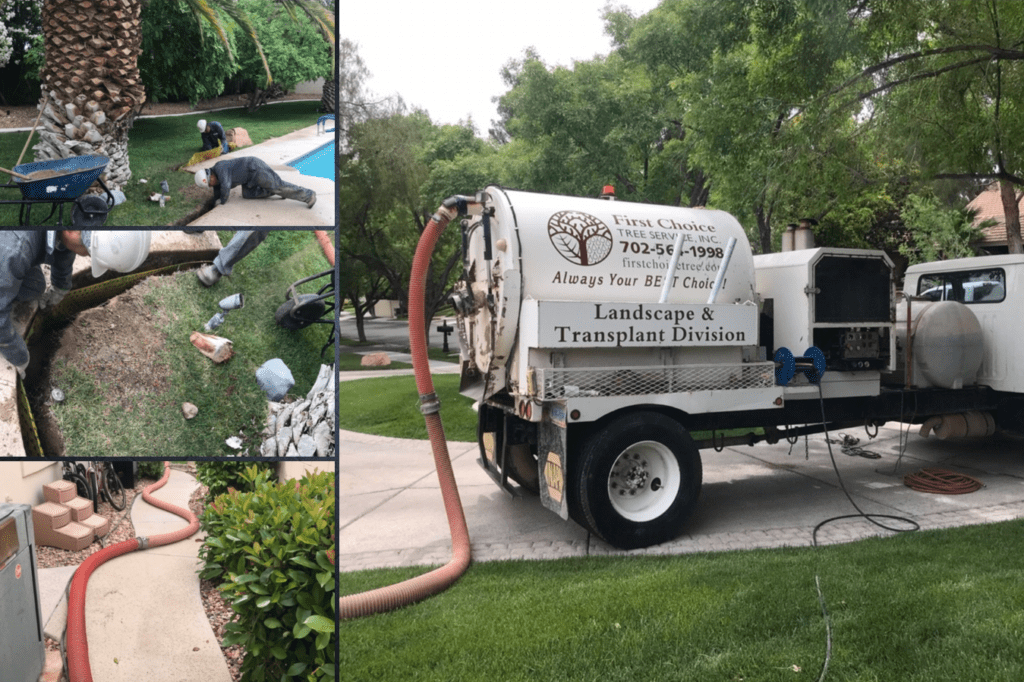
240	246
213	135
22	252
258	181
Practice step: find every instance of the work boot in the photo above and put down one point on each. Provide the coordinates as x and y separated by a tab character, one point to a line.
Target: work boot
311	200
208	275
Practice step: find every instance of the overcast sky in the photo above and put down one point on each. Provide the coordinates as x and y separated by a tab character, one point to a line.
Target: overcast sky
446	56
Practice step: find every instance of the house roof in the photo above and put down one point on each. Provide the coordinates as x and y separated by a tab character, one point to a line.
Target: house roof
989	205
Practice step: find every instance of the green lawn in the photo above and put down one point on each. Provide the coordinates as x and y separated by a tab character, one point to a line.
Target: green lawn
156	146
927	606
230	402
389	406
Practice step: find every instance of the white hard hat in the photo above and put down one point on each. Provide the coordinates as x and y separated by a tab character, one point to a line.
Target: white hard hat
118	250
202	178
202	125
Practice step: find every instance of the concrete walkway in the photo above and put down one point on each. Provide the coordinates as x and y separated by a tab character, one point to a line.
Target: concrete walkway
144	614
276	212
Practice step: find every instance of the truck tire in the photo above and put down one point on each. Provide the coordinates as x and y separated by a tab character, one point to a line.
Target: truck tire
636	481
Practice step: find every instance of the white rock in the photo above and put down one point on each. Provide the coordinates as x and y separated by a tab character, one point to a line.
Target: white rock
189	410
307	446
235	443
322	436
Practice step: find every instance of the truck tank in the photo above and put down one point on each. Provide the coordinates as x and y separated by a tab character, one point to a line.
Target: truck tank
553	253
947	344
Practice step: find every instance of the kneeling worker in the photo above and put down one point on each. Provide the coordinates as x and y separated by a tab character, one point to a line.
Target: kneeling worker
213	135
258	181
21	278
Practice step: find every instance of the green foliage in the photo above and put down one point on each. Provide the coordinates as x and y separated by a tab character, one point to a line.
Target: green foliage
400	169
939	233
151	468
272	551
181	59
220	476
294	48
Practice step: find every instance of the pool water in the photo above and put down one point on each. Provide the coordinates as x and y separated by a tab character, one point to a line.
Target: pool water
318	163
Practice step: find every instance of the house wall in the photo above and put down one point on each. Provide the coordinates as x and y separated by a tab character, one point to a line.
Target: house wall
22	482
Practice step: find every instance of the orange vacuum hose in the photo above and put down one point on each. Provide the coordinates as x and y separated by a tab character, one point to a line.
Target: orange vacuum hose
79	669
422	586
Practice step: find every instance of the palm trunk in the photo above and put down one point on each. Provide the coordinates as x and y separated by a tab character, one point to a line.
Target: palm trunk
92	78
328	96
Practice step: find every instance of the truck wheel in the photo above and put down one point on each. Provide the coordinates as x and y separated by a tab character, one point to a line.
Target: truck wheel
636	480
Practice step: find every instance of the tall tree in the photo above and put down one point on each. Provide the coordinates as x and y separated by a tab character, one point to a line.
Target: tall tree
945	82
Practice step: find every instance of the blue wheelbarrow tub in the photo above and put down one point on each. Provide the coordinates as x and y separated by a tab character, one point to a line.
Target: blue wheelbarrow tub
73	177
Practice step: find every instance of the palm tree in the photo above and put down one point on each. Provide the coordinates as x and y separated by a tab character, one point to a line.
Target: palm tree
92	90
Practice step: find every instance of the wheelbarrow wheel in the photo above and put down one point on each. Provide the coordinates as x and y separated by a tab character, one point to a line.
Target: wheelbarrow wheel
300	312
89	211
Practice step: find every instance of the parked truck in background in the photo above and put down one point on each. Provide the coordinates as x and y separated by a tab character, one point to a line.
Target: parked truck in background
599	337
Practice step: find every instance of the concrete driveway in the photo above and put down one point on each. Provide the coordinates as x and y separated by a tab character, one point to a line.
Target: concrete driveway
391	513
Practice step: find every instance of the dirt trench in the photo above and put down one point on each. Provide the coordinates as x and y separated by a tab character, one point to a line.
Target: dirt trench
116	344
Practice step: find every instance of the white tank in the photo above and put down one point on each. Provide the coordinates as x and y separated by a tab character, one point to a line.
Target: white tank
593	249
551	248
948	345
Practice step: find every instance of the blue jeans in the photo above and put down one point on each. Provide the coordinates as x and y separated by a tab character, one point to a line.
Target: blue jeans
241	245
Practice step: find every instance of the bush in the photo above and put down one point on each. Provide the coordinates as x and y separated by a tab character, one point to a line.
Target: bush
219	476
294	49
272	551
182	58
151	468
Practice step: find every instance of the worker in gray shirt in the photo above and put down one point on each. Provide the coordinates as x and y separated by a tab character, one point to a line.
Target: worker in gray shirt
22	252
257	178
213	135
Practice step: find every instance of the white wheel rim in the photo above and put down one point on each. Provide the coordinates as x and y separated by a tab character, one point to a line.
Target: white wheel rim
644	481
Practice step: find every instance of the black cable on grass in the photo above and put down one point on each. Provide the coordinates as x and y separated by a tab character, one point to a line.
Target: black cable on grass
860	514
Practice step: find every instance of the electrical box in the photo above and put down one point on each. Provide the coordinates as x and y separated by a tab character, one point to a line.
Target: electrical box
22	650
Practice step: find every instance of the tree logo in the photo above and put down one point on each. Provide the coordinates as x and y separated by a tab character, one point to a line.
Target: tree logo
580	238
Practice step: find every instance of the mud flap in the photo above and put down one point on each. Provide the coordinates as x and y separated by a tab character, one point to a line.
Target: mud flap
551	460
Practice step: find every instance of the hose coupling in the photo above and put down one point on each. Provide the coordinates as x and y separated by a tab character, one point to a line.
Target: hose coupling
143	543
460	203
429	404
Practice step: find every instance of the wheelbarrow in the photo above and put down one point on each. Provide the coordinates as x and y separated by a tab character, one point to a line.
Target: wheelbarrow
302	310
62	181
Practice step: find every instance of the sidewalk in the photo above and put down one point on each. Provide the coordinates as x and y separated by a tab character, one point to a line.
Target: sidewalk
144	615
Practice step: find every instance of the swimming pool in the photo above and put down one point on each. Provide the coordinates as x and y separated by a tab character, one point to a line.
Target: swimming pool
318	163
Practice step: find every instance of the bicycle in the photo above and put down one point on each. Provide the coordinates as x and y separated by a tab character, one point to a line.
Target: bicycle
99	479
108	484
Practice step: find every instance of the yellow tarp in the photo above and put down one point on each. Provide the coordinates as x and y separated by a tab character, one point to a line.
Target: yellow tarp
199	157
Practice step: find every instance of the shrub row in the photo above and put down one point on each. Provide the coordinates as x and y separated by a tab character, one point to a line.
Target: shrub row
272	552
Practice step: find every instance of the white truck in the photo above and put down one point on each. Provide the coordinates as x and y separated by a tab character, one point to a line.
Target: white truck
593	366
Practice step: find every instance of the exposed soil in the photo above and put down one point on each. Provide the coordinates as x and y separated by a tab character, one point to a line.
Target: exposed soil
117	344
25	116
